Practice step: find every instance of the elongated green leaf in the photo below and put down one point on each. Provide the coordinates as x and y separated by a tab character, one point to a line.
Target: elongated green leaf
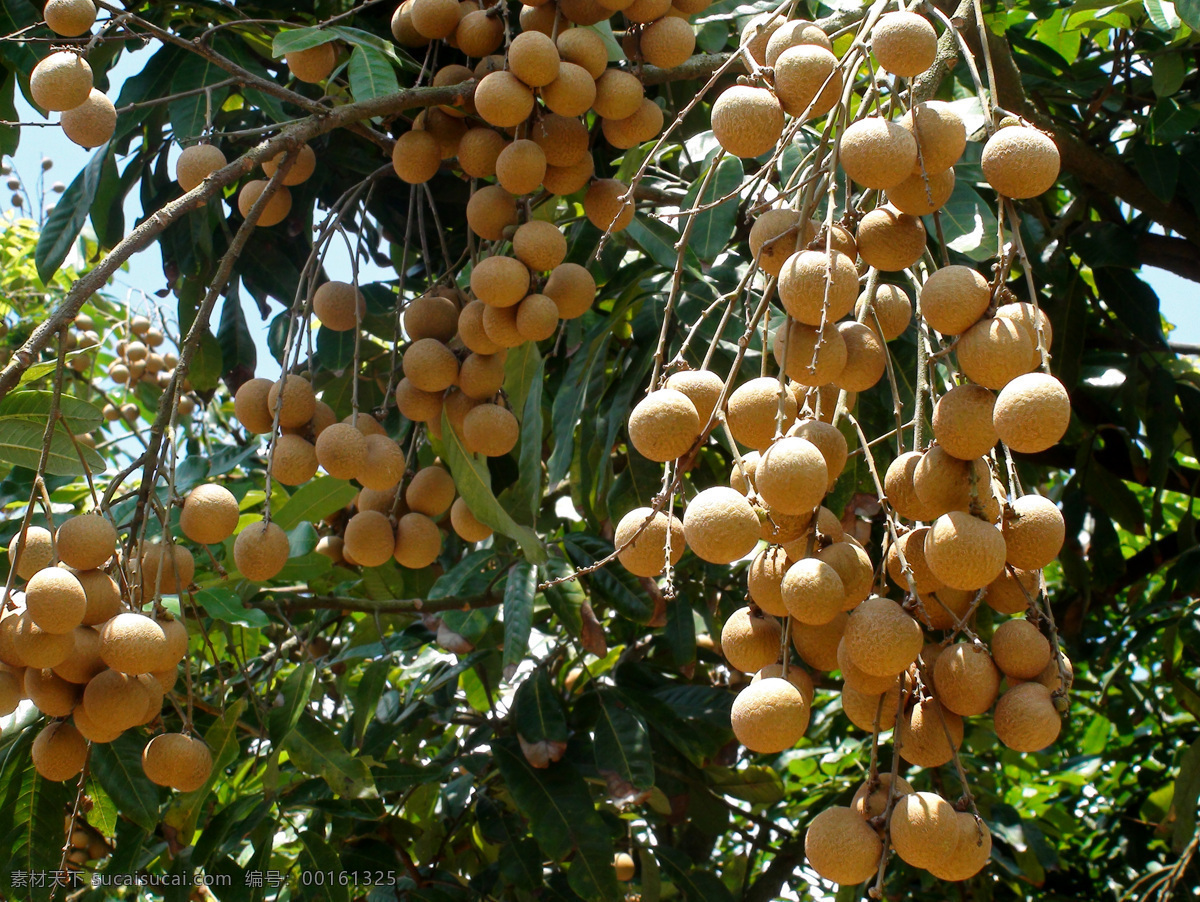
968	223
569	403
21	446
474	483
518	614
65	221
315	500
522	372
316	751
15	16
750	784
712	229
295	39
319	857
622	744
238	352
10	135
356	37
469	577
1189	11
697	885
537	710
117	766
225	605
528	490
295	691
1187	790
371	74
189	114
34	845
35	405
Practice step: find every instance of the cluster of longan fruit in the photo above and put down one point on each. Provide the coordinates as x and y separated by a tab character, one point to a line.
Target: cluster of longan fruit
140	359
72	645
86	844
969	541
62	82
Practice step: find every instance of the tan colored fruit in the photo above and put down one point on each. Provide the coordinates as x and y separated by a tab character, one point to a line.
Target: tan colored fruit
967	679
890	314
1032	319
923	734
971	852
764	579
573	92
177	574
912	544
92	730
61	81
314	64
742	477
431	316
418	541
813	592
668	42
381	500
133	643
85	542
1032	413
1020	650
842	847
563	139
115	701
604	206
860	681
646	554
962	422
572	288
92	122
481	375
178	761
11	692
521	166
644	124
478	33
806	344
50	693
32	646
478	150
757	32
618	94
384	464
294	460
533	58
177	643
1033	531
881	638
877	153
944	483
540	245
1020	162
872	801
341	450
537	318
808	81
499	281
866	357
491	430
503	100
924	829
769	715
298	402
1013	591
564	180
55	600
584	47
793	33
366	424
624	866
103	596
430	492
898	483
890	240
792	476
540	18
37	553
435	19
301	171
809	278
197	163
940	135
750	640
752	412
470	330
853	567
1052	676
369	539
920	195
260	551
963	551
904	43
209	515
418	406
954	298
747	121
416	157
817	645
776	236
943	609
276	208
429	365
702	387
500	324
469	529
994	352
250	406
58	752
862	708
1025	719
70	18
643	11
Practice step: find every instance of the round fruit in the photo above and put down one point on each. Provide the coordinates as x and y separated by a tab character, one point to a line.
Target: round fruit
920	194
86	542
863	708
794	33
313	64
775	237
890	240
491	430
810	278
250	406
881	638
877	153
469	528
967	680
418	541
971	852
533	58
817	645
260	551
11	693
33	646
923	732
1032	319
866	357
500	325
813	592
872	800
92	122
70	18
904	43
1020	162
177	760
177	643
574	91
1025	719
133	643
668	42
503	100
940	134
572	288
293	460
752	412
860	681
853	567
521	166
54	600
1032	413
962	422
807	80
954	298
339	306
604	205
1020	649
923	828
209	515
341	451
197	163
274	211
1013	591
1033	531
540	245
61	81
301	170
383	465
944	483
478	151
770	715
37	552
750	640
490	211
429	365
702	387
624	866
841	847
792	476
747	121
431	491
115	701
963	551
58	752
584	47
369	539
431	316
51	694
994	352
499	282
644	552
720	526
901	492
764	580
298	401
912	545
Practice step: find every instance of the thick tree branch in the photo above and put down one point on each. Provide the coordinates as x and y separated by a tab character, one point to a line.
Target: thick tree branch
298	602
1175	255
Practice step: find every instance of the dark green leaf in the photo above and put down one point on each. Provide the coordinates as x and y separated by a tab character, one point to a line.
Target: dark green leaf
968	224
295	691
315	750
117	766
313	501
537	710
472	624
237	346
1158	166
713	228
622	743
21	446
67	218
319	857
518	614
615	584
208	363
1187	790
1167	74
371	74
1189	11
1134	303
34	405
292	40
223	604
189	115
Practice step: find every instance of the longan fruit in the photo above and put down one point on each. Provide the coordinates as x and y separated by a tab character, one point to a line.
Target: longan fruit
431	316
251	408
301	170
923	732
792	477
644	11
764	579
756	34
1034	531
753	408
454	74
133	643
667	42
793	33
115	701
55	600
103	596
298	403
962	422
178	761
464	522
37	552
431	491
471	331
435	19
70	18
750	640
702	387
645	124
563	139
871	801
863	708
890	240
86	541
963	551
499	281
503	100
260	551
521	166
430	365
61	81
369	539
538	18
953	299
912	545
276	209
770	715
721	526
1020	649
92	122
994	352
939	132
805	344
944	482
533	58
314	64
491	430
807	80
813	592
32	646
416	405
416	157
293	460
339	306
841	846
1031	318
810	278
920	195
881	638
775	237
11	693
540	245
59	752
481	375
1020	162
618	94
971	853
1025	719
478	150
585	48
572	288
478	33
383	464
500	324
852	566
537	318
877	153
643	553
967	679
747	121
866	357
1032	413
923	828
50	694
605	208
573	92
418	541
564	180
904	43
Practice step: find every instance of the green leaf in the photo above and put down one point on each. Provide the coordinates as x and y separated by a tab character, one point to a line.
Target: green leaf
356	37
474	483
1187	790
1189	11
968	224
189	114
371	74
313	501
537	710
469	577
238	351
34	845
528	488
117	767
518	614
522	372
1162	14
562	817
15	17
21	446
10	135
1158	166
296	39
472	624
67	218
225	605
622	744
1133	301
208	363
712	229
1167	73
760	785
33	404
316	751
296	690
318	857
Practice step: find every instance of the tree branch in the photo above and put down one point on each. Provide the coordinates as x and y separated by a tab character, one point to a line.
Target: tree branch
1175	255
299	602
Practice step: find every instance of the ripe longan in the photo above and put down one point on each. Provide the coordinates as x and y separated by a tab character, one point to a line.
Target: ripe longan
1025	719
301	170
842	847
431	316
1032	413
564	180
877	153
416	405
963	551
971	852
533	58
764	580
769	715
464	522
664	425
479	33
1031	319
792	476
59	752
540	245
563	139
55	600
644	553
92	122
807	80
923	732
293	460
37	552
1013	591
775	237
478	150
752	409
962	422
720	525
341	450
863	708
702	387
209	515
871	802
503	100
618	94
1034	531
645	123
70	18
115	701
416	157
994	352
912	545
490	430
435	19
418	541
298	403
273	212
32	646
383	464
585	48
798	346
51	694
624	867
133	643
521	166
794	33
61	81
750	640
250	406
954	298
429	365
920	195
500	324
605	208
810	278
967	680
923	828
757	32
431	491
260	551
86	542
537	318
482	375
904	43
11	693
1020	649
853	566
812	592
939	132
881	638
747	121
178	761
1020	162
667	42
866	357
890	240
499	281
572	288
369	539
944	482
574	92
